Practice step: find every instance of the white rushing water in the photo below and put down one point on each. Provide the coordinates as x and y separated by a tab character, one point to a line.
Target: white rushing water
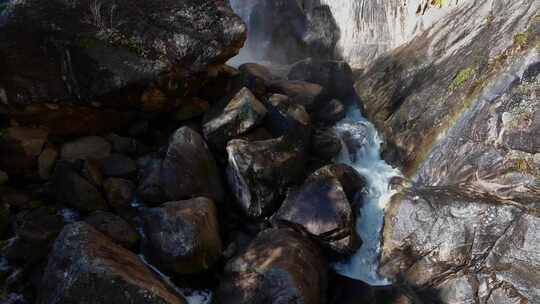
361	150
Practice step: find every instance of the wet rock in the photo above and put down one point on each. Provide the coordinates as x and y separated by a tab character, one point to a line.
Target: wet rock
325	144
241	114
113	226
260	172
352	182
93	147
119	192
335	76
279	266
286	118
35	230
107	49
20	147
4	178
183	236
462	245
309	95
321	206
329	113
189	169
118	165
83	257
46	162
72	189
257	71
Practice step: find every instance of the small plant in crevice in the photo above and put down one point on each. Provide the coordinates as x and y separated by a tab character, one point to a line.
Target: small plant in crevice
461	77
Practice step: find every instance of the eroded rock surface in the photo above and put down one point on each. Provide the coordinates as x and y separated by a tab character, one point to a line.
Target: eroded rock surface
84	257
459	246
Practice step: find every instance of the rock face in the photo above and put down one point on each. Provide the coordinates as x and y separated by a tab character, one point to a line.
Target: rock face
243	113
183	236
187	170
289	30
103	47
84	257
287	118
259	173
93	147
279	266
461	245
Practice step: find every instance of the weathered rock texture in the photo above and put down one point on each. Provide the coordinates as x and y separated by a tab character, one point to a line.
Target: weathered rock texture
65	50
86	267
458	246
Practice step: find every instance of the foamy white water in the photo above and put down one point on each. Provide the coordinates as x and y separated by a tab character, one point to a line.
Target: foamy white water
361	150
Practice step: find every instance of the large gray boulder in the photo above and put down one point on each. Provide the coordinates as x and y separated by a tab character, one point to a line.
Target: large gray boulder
65	50
240	115
279	266
335	76
259	173
466	247
183	236
322	207
187	170
87	267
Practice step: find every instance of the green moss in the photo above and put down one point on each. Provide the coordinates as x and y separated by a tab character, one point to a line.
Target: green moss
119	39
88	42
460	78
3	7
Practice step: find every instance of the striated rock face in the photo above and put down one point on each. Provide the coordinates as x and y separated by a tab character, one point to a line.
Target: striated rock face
458	246
279	266
444	80
83	257
78	50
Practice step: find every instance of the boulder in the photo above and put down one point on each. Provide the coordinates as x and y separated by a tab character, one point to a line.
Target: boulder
35	230
93	147
102	48
260	172
46	162
309	95
325	144
4	178
257	71
115	227
329	113
462	245
118	165
335	76
84	257
286	118
119	192
4	219
279	266
150	188
20	148
125	145
241	114
183	236
189	169
191	108
72	189
321	207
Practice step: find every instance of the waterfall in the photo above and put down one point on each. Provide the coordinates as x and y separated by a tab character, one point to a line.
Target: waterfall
361	150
